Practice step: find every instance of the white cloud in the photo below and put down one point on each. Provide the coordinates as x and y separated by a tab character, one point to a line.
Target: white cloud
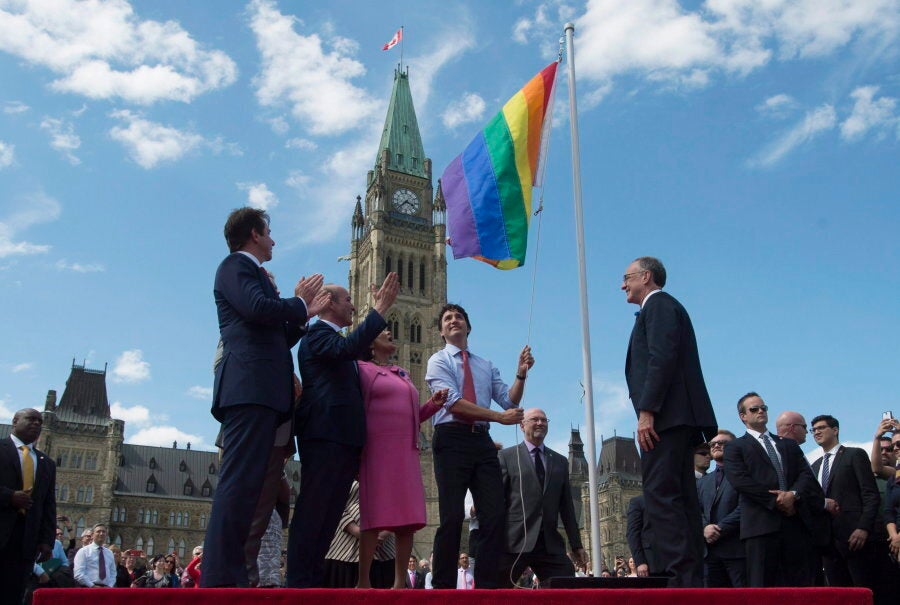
63	265
150	143
470	108
22	367
299	143
279	125
136	414
63	138
664	42
198	392
6	413
454	42
15	107
777	105
33	209
130	367
163	436
870	114
300	72
815	122
7	154
259	196
102	50
548	17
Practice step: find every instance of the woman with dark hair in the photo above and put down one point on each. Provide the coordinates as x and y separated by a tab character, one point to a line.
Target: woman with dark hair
391	501
158	575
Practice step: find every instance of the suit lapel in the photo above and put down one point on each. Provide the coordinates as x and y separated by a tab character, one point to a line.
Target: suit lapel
14	454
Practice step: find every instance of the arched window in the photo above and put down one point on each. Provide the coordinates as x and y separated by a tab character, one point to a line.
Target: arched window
155	519
79	495
122	516
388	265
171	545
179	519
202	520
114	514
150	546
181	549
89	494
90	461
63	459
139	543
409	275
187	519
151	485
171	517
79	527
422	278
64	493
415	330
189	488
400	270
141	516
206	489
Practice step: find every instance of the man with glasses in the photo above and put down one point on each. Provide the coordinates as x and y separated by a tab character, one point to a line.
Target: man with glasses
538	496
725	559
666	387
882	458
852	499
791	425
777	489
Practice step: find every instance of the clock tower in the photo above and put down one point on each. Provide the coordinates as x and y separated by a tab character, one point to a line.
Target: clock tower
401	228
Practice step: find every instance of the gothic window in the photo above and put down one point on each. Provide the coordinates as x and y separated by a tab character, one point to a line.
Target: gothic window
206	489
79	495
171	545
149	546
181	549
415	162
189	488
202	520
90	461
415	331
400	270
79	526
64	493
409	275
151	484
141	515
122	517
152	464
182	467
179	519
89	494
388	265
155	517
139	543
212	469
422	278
114	514
63	459
76	459
171	517
400	159
187	519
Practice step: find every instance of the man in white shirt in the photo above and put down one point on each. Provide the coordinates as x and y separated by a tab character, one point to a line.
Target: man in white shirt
95	566
464	578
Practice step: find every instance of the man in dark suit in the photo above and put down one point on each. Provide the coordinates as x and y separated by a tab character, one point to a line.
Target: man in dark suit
666	387
538	496
726	562
640	538
414	577
778	496
27	504
253	389
852	499
330	425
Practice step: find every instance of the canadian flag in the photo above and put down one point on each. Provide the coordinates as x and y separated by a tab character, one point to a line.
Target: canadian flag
397	37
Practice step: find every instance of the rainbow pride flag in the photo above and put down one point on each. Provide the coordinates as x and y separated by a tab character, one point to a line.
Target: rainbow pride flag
488	186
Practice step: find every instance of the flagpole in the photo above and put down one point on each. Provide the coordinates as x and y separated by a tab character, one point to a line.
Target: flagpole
596	554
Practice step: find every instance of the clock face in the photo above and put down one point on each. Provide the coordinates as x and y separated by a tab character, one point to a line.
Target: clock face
405	201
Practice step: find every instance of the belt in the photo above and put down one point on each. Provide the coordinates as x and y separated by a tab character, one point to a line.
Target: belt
465	426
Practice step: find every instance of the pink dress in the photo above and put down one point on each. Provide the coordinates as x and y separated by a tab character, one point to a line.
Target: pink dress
391	494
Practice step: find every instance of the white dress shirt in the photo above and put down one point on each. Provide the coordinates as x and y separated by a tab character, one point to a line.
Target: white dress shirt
464	579
87	570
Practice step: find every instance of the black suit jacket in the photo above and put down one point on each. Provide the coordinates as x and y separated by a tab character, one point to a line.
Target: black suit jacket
662	368
852	485
40	519
639	534
544	506
750	471
258	330
331	408
723	508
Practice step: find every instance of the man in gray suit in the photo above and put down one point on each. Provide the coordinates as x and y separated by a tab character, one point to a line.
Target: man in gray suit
538	494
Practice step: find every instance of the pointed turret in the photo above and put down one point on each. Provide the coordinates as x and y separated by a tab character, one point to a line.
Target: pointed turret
84	398
400	136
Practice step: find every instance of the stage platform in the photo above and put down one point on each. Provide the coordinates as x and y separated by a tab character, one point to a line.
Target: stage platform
284	596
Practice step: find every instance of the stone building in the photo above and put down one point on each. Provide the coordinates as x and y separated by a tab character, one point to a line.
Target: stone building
618	481
156	499
401	228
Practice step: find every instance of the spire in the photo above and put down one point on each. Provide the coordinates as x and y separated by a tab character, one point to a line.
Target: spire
401	132
85	395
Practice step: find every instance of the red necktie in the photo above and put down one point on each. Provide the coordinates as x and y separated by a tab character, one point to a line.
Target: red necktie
468	382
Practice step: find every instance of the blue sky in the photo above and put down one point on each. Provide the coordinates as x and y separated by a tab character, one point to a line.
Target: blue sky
753	146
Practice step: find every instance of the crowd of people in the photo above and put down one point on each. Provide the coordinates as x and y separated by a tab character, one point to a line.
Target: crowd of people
764	517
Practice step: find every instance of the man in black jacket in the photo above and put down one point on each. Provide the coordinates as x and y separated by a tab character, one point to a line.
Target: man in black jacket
666	387
726	562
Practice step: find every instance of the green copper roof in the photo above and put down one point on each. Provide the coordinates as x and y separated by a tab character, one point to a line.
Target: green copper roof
401	131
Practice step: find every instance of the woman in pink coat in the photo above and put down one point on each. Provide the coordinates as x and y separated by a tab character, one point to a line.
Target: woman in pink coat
391	494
